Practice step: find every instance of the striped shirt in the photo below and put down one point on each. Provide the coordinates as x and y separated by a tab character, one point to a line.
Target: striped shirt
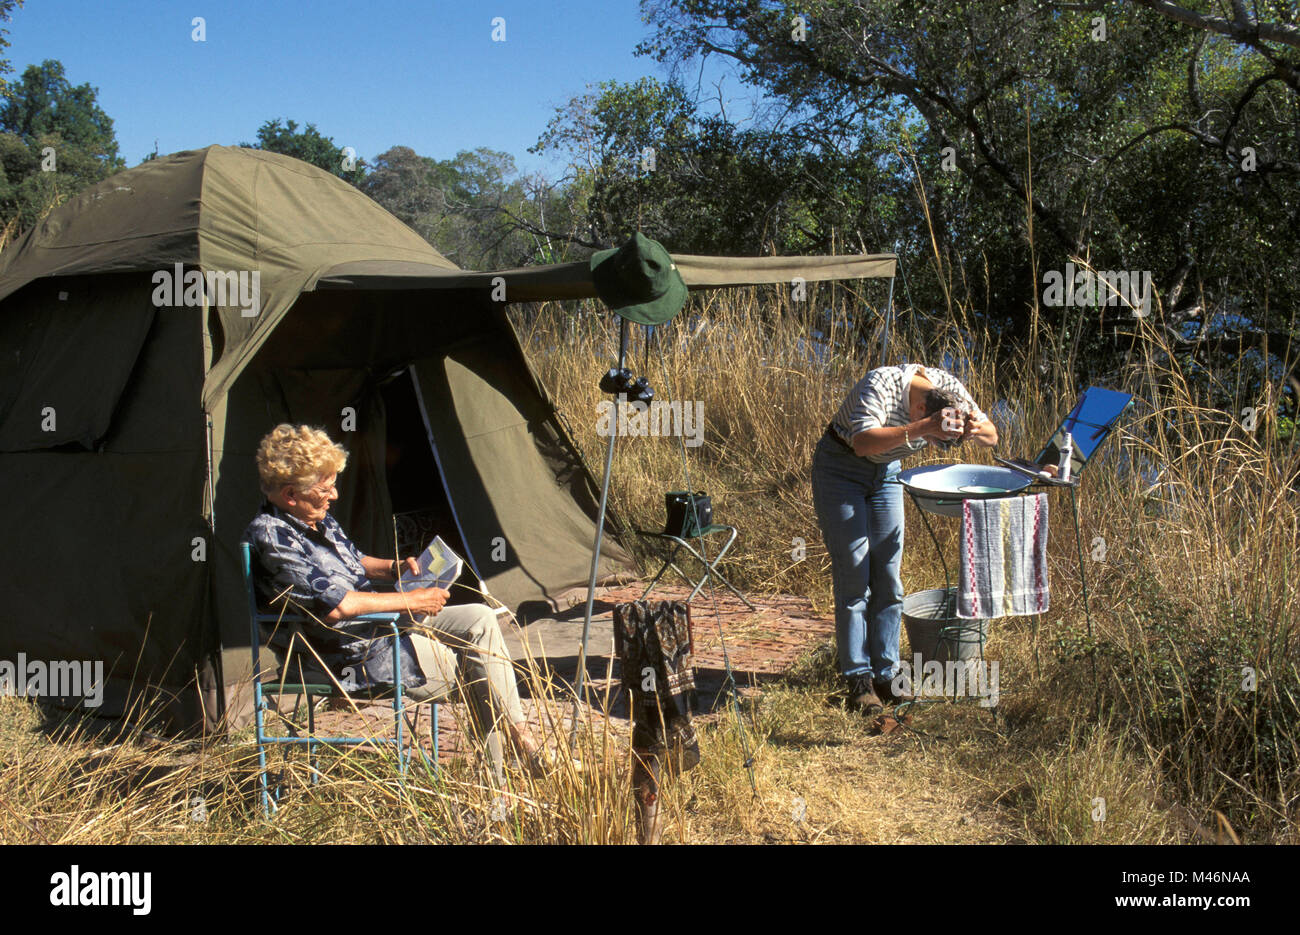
881	399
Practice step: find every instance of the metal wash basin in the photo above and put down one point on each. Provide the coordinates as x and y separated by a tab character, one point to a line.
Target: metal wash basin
940	488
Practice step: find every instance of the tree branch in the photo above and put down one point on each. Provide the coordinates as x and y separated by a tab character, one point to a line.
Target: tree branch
523	224
1241	27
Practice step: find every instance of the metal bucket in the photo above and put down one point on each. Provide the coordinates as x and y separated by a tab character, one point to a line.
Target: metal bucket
936	632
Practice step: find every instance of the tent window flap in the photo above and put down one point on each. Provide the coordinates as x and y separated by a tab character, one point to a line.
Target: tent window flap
69	352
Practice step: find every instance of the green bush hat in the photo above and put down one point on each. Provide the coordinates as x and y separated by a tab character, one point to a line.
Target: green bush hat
639	280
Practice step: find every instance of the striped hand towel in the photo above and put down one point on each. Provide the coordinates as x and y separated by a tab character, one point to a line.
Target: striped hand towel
1003	557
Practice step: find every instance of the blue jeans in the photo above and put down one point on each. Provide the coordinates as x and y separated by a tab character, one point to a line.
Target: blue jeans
859	506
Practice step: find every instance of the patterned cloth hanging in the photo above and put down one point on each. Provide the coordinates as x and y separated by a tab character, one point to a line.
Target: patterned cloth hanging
654	644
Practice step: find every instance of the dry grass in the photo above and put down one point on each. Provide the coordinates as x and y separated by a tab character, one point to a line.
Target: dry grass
820	778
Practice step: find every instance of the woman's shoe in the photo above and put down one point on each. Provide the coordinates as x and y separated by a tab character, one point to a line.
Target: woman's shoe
863	698
885	688
544	762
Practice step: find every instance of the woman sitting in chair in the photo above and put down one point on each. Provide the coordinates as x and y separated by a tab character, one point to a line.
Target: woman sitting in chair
302	554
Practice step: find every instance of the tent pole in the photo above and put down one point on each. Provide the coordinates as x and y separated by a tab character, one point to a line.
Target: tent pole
579	685
212	490
442	473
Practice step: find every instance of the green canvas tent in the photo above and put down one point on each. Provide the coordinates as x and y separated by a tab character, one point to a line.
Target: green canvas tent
155	326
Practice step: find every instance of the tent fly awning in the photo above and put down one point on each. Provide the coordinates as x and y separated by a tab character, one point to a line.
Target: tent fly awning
525	284
573	280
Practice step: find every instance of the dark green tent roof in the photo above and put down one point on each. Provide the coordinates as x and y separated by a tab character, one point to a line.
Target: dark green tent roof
219	208
230	209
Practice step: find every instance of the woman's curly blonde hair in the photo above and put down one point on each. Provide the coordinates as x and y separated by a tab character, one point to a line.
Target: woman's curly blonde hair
297	456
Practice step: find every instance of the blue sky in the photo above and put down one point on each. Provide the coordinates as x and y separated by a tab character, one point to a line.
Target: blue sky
369	73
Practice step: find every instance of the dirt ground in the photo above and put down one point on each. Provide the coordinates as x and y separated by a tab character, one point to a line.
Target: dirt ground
758	645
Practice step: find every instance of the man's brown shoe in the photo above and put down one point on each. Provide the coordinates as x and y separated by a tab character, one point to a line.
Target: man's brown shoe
863	698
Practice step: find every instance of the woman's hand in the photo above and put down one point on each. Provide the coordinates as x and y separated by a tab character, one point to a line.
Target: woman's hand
381	569
979	430
426	600
415	601
932	428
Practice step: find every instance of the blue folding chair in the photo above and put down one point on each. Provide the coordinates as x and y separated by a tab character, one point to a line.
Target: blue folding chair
312	691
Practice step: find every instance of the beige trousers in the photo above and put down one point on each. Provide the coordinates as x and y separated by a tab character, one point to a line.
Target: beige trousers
463	658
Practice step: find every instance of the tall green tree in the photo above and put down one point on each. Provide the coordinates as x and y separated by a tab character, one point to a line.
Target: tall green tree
54	141
310	146
625	144
7	8
1135	136
646	156
45	104
474	208
409	186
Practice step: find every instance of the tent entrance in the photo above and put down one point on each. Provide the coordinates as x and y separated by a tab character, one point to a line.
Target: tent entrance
421	502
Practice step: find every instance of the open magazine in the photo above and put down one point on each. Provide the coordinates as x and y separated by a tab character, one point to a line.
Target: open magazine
440	566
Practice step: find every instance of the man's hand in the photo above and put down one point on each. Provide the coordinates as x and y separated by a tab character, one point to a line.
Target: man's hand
411	565
972	427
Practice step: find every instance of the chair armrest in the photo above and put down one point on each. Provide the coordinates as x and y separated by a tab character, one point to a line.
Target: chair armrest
380	616
281	618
